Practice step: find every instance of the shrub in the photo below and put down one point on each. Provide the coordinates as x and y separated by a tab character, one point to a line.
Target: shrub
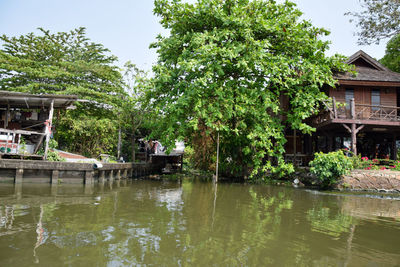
330	167
52	155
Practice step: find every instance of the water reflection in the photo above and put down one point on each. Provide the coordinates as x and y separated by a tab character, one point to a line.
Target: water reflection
193	223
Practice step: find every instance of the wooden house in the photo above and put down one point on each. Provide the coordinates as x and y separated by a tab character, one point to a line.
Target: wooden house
363	116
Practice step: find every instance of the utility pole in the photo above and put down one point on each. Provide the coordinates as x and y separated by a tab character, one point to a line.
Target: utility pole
216	168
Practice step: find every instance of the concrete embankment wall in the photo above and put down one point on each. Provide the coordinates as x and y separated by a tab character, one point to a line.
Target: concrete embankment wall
32	171
371	180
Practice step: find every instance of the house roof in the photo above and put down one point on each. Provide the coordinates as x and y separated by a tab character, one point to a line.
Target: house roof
367	69
31	101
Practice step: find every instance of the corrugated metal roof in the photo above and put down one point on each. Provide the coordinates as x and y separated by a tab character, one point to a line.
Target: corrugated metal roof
31	101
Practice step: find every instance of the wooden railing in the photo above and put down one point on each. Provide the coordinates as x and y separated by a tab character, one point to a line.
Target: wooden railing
10	140
357	112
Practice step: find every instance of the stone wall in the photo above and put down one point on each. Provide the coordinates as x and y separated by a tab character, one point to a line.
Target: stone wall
371	180
34	171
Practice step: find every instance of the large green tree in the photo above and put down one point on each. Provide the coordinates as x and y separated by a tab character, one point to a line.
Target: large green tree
229	67
392	54
68	63
378	19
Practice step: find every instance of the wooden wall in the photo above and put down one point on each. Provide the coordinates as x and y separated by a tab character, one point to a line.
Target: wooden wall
362	95
388	97
339	93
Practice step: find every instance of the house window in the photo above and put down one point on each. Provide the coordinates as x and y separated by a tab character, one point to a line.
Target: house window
375	99
349	96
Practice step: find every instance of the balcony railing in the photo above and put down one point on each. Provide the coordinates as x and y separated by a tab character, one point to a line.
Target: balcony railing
357	112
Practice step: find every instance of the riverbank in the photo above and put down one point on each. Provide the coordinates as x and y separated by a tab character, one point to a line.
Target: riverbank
37	171
371	180
356	180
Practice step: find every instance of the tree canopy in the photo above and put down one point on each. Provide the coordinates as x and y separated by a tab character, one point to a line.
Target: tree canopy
379	19
69	63
248	70
60	63
392	54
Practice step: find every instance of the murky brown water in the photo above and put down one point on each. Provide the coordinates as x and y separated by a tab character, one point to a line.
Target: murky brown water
194	224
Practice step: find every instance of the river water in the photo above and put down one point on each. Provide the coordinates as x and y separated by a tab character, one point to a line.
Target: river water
159	223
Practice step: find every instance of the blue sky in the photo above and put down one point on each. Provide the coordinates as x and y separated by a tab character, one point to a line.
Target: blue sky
127	27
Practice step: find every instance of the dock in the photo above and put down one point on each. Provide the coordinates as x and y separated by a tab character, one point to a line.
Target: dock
38	171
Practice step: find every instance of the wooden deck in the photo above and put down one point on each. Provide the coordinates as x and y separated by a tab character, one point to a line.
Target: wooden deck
355	117
357	114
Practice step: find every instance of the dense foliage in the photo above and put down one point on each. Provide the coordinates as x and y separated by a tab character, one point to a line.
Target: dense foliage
68	63
61	63
245	69
392	54
379	19
329	167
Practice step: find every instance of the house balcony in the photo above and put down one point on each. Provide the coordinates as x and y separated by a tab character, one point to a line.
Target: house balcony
357	113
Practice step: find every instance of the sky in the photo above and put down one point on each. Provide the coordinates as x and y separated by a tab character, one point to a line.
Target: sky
127	27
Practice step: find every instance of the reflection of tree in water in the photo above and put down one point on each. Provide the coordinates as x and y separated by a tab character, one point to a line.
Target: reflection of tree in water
242	241
325	221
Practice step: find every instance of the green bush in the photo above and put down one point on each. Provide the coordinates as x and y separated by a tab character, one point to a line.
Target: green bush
330	167
52	155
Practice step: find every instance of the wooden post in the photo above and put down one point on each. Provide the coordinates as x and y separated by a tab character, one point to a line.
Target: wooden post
7	116
294	146
334	107
8	137
48	128
353	139
353	131
119	175
19	140
353	127
216	167
330	142
394	147
13	139
125	174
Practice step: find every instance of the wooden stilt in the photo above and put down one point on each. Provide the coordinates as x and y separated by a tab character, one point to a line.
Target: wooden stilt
353	138
330	142
294	146
353	131
7	116
394	147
